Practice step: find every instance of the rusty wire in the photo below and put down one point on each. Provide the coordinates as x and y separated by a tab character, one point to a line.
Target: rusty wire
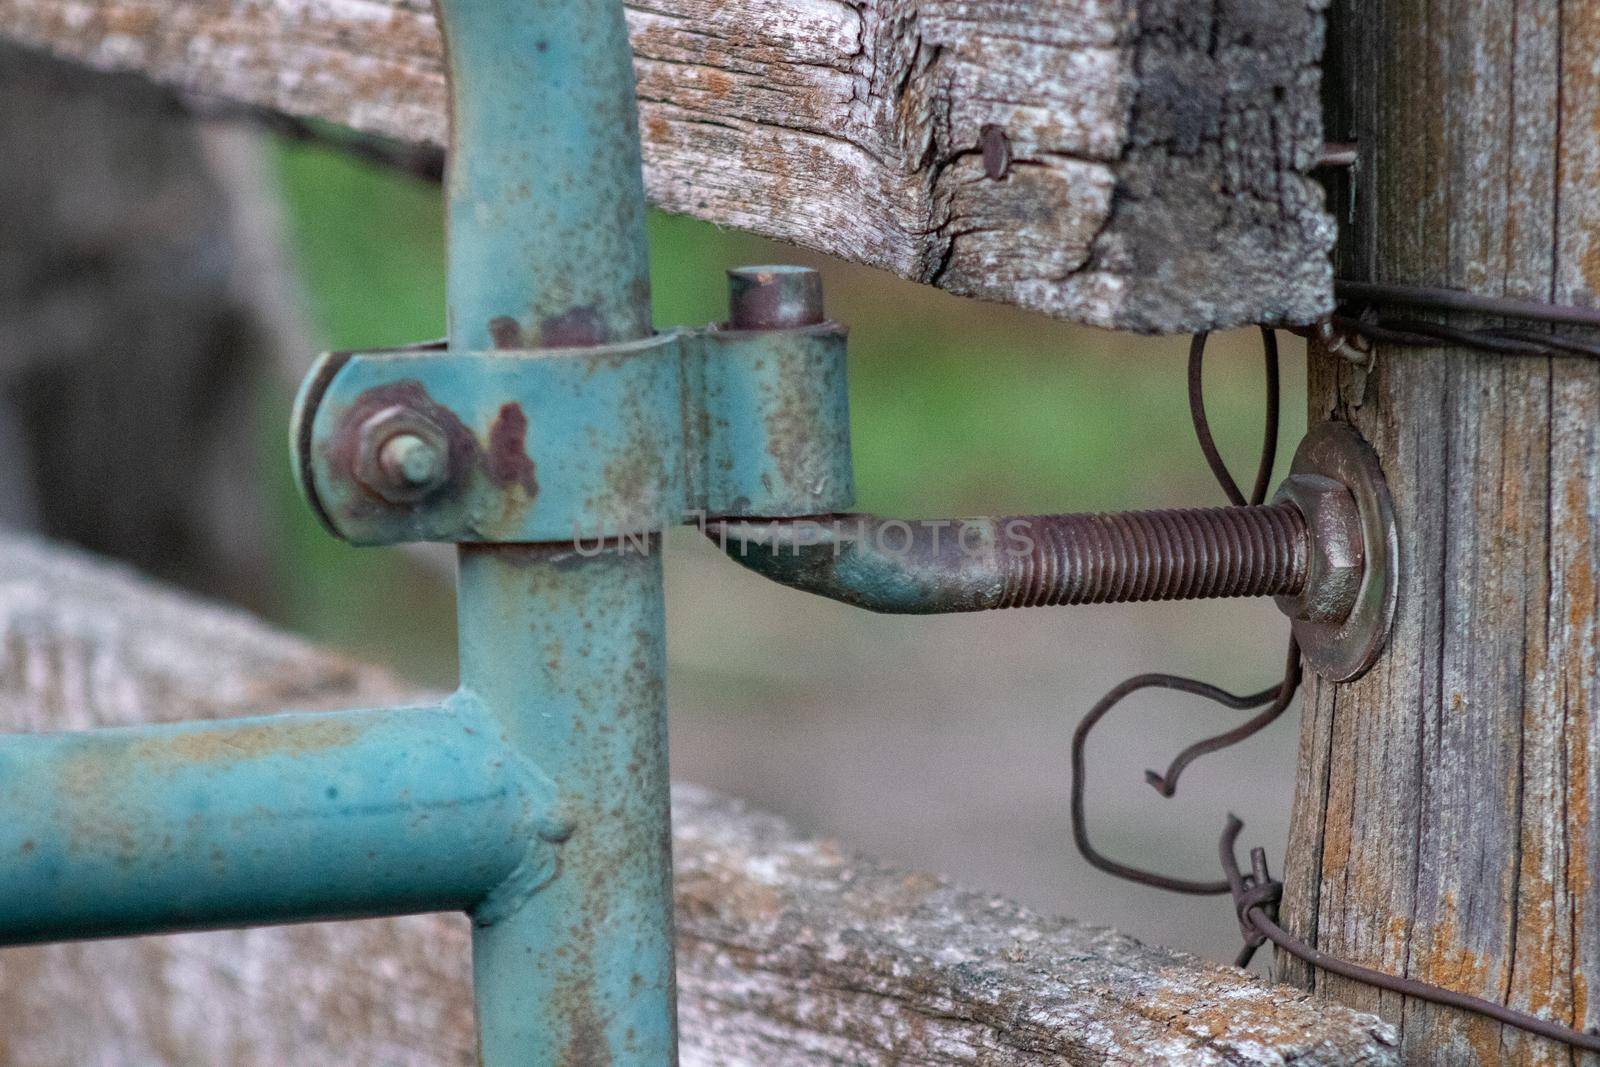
1202	425
1255	900
1277	698
1360	315
1256	895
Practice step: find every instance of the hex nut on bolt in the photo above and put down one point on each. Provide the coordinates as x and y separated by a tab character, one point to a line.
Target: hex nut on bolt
1335	552
402	456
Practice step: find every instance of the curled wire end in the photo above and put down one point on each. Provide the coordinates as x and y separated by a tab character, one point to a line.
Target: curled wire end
1080	821
1256	893
1278	697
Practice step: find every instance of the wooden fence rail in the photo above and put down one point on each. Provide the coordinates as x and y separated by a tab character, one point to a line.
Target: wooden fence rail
1137	164
790	951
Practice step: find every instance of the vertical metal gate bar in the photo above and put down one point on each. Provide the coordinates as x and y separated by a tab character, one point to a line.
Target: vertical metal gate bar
547	249
570	653
545	189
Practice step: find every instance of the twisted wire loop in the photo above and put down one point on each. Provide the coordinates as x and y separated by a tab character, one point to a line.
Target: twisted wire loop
1360	315
1255	900
1256	895
1276	698
1202	425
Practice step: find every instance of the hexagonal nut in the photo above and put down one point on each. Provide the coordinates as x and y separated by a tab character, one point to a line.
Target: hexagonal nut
1336	552
409	481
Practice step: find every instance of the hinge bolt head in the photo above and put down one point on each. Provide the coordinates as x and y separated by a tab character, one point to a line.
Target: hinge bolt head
409	461
403	457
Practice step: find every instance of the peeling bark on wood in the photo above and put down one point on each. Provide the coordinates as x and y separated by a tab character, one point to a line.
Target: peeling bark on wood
1144	166
791	951
1444	826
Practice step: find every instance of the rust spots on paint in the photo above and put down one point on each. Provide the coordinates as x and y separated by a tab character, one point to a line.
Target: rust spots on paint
105	818
505	333
289	738
579	327
507	460
343	448
587	1046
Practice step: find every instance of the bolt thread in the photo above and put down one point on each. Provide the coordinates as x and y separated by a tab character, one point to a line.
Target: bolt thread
1187	554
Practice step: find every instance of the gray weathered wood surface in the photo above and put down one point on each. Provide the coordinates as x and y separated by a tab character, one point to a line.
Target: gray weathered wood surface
1446	825
1144	165
791	951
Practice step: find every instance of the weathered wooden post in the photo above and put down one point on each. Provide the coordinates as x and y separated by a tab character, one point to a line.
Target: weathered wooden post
1443	826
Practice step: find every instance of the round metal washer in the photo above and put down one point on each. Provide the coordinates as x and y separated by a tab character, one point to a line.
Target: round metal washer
1343	651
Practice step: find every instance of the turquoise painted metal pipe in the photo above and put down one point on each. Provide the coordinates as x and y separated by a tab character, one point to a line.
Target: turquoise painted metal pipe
570	651
283	818
547	248
547	245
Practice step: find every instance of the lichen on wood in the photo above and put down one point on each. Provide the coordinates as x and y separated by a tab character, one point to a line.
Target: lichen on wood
1136	164
1443	826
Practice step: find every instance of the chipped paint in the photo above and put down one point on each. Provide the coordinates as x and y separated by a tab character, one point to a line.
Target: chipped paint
632	436
507	458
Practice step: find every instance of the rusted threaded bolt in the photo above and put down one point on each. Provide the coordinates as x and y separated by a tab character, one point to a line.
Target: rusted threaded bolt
1157	555
1026	561
409	461
774	298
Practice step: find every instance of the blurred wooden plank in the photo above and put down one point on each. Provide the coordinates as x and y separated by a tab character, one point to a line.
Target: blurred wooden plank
791	952
136	307
1138	164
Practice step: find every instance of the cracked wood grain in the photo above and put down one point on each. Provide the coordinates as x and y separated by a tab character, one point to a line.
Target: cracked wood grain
791	951
1157	150
1443	824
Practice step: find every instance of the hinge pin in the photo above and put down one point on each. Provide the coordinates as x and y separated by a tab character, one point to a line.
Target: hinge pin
774	298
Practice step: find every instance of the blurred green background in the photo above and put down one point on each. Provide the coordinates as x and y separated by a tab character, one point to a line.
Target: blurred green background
937	743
